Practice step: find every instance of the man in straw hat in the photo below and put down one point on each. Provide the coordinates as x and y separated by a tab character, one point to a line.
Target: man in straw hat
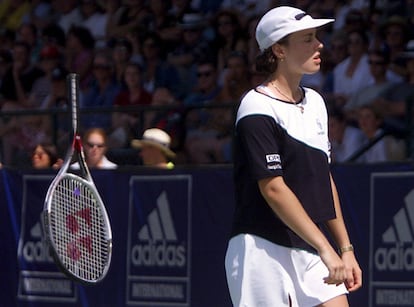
155	148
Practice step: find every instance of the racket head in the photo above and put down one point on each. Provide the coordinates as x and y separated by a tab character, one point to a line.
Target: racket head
77	228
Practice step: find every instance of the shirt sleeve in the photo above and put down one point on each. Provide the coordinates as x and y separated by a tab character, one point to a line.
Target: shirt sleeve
260	141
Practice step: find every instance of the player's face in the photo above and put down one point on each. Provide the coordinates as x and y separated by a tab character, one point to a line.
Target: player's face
303	52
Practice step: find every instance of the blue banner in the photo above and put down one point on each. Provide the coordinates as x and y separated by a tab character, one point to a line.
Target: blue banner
170	231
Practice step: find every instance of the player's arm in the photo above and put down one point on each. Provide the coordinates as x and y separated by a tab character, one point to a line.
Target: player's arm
339	233
289	209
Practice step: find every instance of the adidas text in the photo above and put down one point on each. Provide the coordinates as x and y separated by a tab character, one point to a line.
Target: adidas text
161	255
36	251
396	258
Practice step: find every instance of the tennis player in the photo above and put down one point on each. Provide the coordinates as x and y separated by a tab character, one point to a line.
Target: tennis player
278	255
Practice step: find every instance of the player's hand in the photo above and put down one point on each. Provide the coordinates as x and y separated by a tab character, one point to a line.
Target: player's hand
353	271
336	267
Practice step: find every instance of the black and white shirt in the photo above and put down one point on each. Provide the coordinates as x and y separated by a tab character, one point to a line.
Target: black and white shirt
275	138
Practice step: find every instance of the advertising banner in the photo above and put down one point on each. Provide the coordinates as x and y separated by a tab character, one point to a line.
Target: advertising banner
38	279
391	277
170	233
159	241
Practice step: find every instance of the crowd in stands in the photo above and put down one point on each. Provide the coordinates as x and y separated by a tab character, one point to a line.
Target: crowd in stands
182	66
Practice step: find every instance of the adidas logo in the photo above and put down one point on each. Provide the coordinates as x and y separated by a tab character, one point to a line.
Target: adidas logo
400	234
35	249
160	246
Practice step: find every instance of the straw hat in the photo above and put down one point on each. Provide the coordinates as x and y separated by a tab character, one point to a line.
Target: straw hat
157	138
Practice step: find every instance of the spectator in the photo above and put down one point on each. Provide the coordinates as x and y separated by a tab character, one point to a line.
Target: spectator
59	124
169	119
164	23
155	149
229	36
54	35
345	139
334	53
95	20
124	123
16	132
378	62
353	73
95	141
40	14
50	58
157	72
393	103
28	33
122	55
68	14
193	46
206	87
19	78
101	93
355	20
79	54
388	148
395	33
45	156
374	18
132	15
236	78
204	93
210	143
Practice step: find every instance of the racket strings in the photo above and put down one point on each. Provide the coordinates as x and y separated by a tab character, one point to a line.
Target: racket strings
78	230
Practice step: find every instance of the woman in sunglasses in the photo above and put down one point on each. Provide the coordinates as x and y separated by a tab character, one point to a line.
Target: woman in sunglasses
94	141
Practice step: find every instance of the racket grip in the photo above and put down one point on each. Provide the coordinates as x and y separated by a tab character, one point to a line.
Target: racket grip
73	93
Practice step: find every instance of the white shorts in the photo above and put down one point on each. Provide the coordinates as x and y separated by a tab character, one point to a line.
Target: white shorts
263	274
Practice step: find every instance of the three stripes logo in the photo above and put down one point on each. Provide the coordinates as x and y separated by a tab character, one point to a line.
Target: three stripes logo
158	243
397	253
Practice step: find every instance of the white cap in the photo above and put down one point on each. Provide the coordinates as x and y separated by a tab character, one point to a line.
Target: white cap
282	21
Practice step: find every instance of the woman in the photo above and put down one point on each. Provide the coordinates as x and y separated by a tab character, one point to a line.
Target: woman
45	156
278	255
123	123
95	140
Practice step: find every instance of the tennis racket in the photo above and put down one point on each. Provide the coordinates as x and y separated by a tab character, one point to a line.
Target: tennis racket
75	222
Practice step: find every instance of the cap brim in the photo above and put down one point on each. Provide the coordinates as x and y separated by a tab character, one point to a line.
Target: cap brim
309	24
139	143
304	24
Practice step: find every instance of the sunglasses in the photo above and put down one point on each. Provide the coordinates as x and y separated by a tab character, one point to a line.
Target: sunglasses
92	145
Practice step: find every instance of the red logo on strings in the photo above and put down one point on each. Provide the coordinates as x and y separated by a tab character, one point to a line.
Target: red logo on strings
75	224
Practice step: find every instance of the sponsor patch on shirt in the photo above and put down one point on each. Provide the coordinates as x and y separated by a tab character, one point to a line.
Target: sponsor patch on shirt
273	158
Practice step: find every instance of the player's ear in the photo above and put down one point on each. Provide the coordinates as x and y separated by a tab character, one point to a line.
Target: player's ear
278	51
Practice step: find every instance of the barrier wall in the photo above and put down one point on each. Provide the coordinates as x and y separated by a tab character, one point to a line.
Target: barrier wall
170	231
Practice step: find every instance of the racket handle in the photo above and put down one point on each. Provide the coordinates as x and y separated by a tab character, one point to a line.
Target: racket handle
73	93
